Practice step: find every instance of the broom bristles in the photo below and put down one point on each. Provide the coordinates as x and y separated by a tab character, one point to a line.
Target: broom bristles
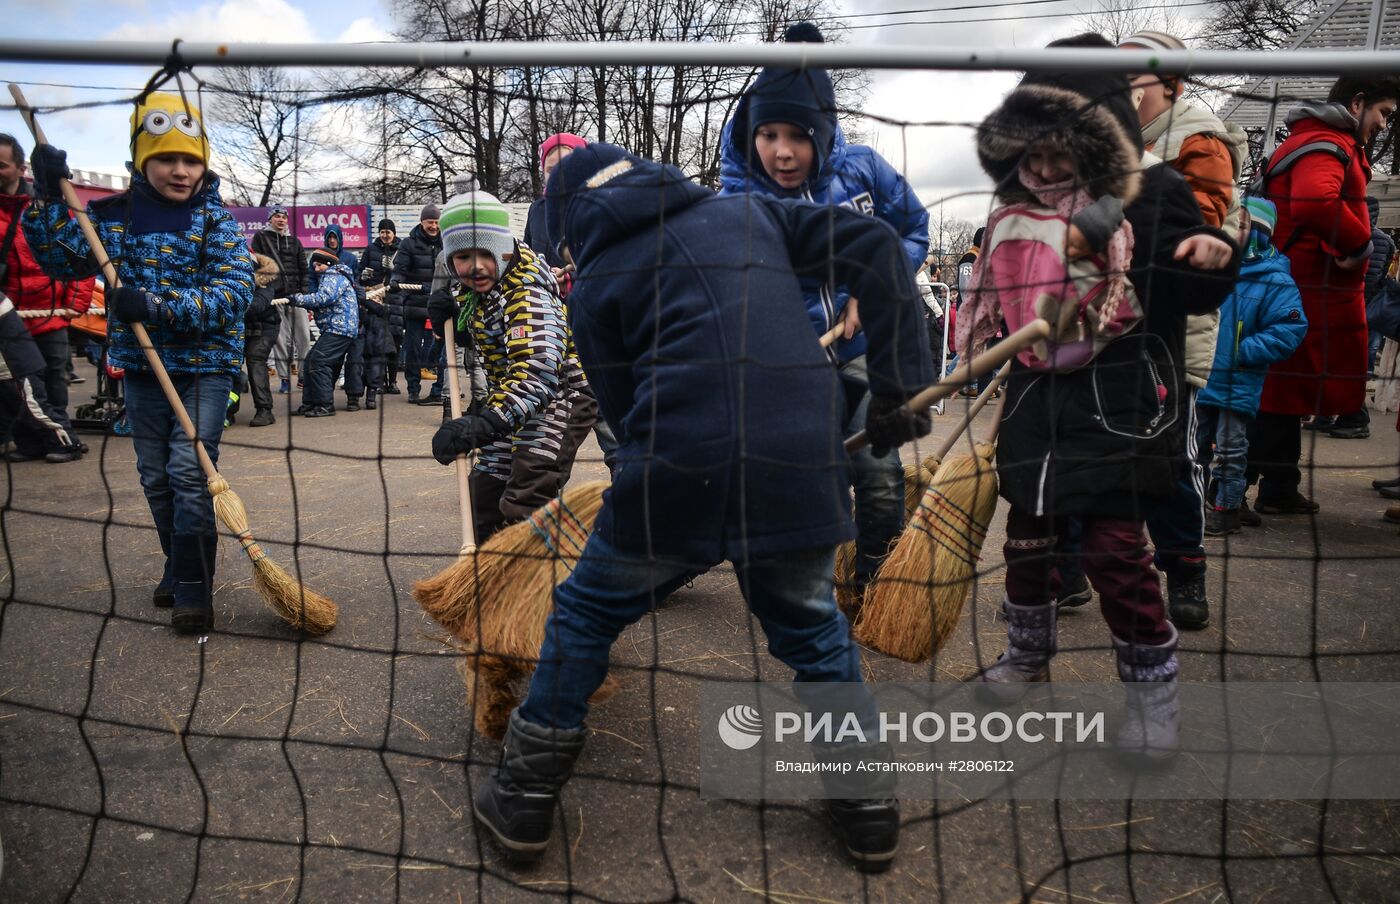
450	596
848	598
918	598
515	600
299	606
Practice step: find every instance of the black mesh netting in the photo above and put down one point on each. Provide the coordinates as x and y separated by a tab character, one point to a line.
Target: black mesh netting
264	764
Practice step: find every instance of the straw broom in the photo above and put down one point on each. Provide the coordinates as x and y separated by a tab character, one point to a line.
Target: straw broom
916	481
917	597
450	596
516	602
299	606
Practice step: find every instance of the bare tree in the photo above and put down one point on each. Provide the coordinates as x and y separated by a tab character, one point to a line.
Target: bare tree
1256	24
422	128
1118	19
255	113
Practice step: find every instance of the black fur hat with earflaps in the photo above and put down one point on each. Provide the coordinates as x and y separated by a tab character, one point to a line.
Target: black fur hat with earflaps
1090	115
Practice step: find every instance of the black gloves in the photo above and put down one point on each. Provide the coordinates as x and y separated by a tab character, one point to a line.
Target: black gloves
889	424
130	305
442	307
49	166
460	436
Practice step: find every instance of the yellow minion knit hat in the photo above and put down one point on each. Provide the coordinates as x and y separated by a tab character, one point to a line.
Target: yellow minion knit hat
165	124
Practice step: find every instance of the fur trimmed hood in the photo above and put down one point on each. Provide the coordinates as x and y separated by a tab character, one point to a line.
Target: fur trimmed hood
266	270
1106	155
1090	115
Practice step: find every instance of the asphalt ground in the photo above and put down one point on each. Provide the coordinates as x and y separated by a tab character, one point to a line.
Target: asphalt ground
139	766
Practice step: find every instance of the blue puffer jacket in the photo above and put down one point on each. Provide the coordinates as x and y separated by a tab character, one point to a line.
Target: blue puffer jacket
334	303
729	415
1262	322
201	269
853	176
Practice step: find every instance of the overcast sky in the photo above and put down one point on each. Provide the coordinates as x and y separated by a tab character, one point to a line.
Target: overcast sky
938	160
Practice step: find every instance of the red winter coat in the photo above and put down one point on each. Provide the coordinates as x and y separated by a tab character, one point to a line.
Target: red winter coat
1322	216
28	286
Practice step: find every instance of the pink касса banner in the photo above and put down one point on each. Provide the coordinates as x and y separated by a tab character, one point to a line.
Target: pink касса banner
310	222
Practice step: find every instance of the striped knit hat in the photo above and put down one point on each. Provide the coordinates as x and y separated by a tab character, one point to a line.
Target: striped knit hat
475	219
1263	215
1153	40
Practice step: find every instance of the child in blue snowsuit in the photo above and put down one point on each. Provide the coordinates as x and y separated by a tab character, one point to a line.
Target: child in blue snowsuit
337	311
784	141
689	321
187	274
1261	323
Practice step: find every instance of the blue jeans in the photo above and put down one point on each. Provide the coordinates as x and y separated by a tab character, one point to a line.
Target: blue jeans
421	350
1229	431
879	488
322	362
176	488
790	593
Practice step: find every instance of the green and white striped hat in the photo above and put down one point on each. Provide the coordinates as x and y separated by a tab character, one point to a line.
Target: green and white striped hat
475	219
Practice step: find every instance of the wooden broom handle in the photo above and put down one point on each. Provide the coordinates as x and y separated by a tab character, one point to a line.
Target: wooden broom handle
981	402
963	374
832	334
75	204
463	462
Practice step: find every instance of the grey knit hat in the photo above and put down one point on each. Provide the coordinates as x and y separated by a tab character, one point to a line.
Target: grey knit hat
430	211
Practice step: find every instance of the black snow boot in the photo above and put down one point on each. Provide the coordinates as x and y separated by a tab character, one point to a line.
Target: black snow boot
164	595
1187	605
195	557
861	804
517	802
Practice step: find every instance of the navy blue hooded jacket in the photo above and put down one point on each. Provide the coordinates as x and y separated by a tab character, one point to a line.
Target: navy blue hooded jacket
689	321
853	176
351	262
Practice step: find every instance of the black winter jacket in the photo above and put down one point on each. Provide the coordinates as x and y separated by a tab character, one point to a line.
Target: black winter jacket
287	250
1104	440
262	316
413	265
537	235
377	262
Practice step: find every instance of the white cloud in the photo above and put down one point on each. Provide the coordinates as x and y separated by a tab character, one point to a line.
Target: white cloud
363	31
265	21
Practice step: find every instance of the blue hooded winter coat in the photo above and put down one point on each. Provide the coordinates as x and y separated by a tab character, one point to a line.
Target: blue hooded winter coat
853	176
191	255
334	304
1262	322
689	321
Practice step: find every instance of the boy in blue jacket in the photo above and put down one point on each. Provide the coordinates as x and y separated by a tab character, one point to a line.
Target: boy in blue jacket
186	273
784	141
337	312
1261	323
687	313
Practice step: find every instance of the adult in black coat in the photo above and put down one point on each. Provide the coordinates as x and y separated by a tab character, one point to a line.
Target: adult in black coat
381	352
690	323
260	328
408	308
